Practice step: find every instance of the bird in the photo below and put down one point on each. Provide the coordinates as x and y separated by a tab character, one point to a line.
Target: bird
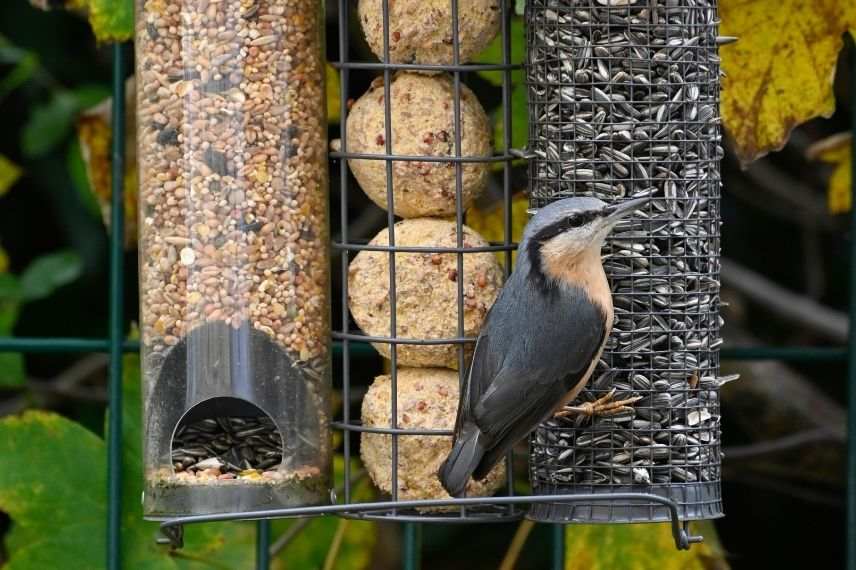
541	339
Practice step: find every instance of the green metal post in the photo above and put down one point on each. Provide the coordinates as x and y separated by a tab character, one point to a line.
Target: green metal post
558	557
263	545
117	239
412	551
851	376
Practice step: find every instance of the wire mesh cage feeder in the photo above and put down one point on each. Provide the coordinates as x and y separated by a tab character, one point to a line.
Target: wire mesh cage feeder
233	256
624	103
418	144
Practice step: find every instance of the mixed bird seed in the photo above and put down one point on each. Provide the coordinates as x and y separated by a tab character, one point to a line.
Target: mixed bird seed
233	170
624	99
233	194
227	448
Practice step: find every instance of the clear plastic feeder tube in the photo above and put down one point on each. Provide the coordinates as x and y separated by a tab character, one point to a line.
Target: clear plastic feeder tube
234	255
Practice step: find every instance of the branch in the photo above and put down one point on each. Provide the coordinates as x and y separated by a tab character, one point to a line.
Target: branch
795	308
786	443
793	199
66	384
773	401
516	546
336	544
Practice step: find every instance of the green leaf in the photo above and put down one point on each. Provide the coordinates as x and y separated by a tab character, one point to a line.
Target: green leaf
52	486
12	373
10	287
48	125
51	123
111	20
493	53
77	171
519	120
9	174
89	95
23	71
640	546
48	273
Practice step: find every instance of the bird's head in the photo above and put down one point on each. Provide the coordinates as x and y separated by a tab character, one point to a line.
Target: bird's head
566	230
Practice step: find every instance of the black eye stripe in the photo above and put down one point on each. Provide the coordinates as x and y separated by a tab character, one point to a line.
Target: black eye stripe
575	220
582	218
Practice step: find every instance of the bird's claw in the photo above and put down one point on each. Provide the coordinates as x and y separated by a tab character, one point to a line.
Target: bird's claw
603	406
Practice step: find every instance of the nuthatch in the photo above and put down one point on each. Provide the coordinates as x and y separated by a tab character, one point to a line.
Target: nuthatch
541	339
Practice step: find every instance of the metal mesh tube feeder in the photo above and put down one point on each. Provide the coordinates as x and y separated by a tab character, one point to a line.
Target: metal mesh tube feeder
397	345
624	103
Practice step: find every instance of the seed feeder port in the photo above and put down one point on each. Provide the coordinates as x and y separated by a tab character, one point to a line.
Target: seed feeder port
231	374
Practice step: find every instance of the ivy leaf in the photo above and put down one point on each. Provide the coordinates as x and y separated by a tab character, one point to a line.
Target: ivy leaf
780	73
643	547
52	485
48	273
111	20
838	151
9	174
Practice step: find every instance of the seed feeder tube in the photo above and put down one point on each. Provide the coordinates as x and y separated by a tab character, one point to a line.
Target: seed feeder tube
234	262
623	104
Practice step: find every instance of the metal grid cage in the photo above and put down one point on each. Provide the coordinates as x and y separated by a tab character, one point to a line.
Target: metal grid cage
624	103
349	245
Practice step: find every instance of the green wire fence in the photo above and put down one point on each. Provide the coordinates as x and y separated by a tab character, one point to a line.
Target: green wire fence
116	344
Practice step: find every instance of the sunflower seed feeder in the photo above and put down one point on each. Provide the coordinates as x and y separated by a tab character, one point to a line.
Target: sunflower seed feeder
624	103
233	255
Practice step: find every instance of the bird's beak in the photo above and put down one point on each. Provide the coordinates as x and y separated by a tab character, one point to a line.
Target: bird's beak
617	211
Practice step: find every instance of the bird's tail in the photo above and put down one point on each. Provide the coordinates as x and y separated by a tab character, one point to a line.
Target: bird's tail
465	456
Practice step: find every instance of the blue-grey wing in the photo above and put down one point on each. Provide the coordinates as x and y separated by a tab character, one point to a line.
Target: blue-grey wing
533	350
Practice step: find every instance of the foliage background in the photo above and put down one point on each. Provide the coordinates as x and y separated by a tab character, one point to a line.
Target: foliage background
785	246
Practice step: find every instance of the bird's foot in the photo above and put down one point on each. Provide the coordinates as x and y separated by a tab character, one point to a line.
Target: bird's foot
603	406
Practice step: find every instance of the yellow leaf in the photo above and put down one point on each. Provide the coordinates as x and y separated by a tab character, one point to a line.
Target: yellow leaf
641	547
4	261
93	132
780	73
838	151
333	88
488	222
9	174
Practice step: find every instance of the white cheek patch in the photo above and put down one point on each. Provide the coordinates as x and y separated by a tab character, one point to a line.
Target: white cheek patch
567	245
